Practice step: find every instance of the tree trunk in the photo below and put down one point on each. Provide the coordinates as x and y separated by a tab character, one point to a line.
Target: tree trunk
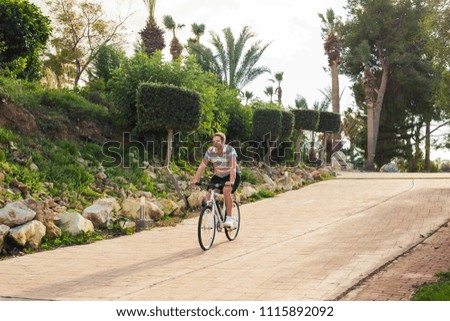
335	96
77	73
369	91
415	160
379	103
374	109
427	146
329	148
298	143
169	172
267	157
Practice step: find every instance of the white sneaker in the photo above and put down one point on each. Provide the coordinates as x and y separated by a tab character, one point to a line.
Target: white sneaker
229	222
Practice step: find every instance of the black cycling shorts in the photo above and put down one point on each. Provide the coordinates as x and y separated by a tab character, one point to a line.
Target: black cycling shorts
217	180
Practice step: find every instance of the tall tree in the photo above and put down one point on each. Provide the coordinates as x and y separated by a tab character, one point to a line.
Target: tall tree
24	32
198	30
332	46
233	65
269	92
380	31
152	35
81	29
175	47
59	68
435	27
248	95
278	79
108	59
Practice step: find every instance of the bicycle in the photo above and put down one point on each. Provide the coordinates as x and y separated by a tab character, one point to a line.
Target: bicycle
212	219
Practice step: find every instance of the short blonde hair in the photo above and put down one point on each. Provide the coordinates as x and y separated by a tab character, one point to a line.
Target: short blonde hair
221	135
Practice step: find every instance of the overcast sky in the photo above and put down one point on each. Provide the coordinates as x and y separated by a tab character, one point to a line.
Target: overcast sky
293	27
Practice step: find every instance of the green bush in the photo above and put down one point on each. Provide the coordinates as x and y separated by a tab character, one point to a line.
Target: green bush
266	120
162	107
329	122
138	69
73	104
261	194
248	176
306	119
287	124
21	92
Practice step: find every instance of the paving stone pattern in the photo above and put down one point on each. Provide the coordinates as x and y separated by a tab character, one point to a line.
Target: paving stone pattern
311	244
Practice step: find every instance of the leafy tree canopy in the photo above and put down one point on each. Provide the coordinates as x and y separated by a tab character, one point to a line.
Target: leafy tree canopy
24	32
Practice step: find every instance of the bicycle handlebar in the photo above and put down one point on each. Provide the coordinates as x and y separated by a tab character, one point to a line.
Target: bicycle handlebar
210	185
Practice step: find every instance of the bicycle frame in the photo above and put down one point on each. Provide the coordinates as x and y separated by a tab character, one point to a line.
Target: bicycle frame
216	215
216	210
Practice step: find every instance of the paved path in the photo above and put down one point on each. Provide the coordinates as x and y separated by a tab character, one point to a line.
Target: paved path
311	244
399	279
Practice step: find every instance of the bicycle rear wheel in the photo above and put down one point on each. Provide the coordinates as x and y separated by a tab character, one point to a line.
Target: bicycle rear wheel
232	233
206	228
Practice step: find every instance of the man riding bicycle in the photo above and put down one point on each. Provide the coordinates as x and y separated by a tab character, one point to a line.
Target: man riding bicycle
226	171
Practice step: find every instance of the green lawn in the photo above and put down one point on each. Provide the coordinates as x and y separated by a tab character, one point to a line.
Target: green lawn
439	291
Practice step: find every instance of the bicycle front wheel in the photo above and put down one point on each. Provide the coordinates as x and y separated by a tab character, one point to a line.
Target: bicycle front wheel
232	232
206	228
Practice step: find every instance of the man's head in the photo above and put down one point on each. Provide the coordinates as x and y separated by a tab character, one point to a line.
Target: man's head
219	139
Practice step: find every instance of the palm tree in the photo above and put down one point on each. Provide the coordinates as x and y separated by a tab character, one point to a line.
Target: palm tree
269	92
247	95
152	35
332	47
278	90
233	66
59	66
198	30
175	47
300	102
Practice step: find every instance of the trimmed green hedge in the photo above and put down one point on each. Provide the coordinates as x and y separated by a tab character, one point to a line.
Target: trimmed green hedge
266	120
287	124
306	119
329	122
162	107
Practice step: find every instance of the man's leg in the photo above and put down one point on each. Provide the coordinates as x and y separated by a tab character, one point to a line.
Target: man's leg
228	199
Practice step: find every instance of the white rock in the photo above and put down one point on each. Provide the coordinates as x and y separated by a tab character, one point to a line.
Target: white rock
34	167
16	213
196	198
74	223
269	187
127	225
150	174
4	230
131	208
166	205
389	168
268	180
139	194
30	234
248	191
101	212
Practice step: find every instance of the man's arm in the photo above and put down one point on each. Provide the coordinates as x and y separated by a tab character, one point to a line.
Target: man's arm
233	170
200	170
